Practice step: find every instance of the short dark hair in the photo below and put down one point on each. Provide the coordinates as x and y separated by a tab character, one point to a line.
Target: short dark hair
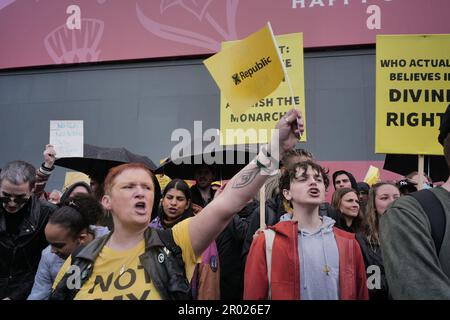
363	187
204	166
180	185
68	193
290	173
348	174
18	172
291	153
77	214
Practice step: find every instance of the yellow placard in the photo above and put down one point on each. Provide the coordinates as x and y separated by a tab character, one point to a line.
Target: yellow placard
190	183
262	117
163	180
412	92
75	176
247	70
372	176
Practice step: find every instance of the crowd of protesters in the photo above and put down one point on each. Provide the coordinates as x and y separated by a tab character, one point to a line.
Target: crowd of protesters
124	238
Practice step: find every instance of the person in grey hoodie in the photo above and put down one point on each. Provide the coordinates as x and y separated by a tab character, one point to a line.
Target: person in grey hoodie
316	249
309	258
69	227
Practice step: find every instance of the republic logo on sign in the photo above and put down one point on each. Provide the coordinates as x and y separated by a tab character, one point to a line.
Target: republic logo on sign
236	79
259	65
248	70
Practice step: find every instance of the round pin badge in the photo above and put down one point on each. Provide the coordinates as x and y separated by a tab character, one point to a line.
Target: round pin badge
213	263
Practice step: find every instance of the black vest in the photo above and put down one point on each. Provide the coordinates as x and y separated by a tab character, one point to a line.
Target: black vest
162	260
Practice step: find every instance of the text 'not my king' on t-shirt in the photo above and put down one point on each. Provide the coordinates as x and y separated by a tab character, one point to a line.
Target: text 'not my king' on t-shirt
119	275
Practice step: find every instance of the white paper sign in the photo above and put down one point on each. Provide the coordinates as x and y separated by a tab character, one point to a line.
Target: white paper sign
66	136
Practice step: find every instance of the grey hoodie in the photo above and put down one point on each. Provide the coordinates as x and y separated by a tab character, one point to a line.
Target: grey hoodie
319	262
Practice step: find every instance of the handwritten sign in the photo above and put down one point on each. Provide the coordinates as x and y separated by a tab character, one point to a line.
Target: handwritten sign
67	137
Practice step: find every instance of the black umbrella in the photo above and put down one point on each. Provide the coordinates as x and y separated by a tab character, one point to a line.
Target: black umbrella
225	161
98	160
434	166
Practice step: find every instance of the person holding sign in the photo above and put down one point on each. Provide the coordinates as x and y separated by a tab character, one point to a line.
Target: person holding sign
144	256
413	178
415	238
45	170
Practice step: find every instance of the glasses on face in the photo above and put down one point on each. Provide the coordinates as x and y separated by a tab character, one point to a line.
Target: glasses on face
6	198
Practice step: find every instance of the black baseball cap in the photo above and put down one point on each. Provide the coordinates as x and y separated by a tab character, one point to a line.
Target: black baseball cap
406	185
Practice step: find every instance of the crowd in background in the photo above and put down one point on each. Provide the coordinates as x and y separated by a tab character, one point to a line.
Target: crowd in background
132	240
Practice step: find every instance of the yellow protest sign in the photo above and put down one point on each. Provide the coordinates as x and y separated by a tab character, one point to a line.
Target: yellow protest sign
163	180
262	117
75	176
190	183
412	92
372	176
248	70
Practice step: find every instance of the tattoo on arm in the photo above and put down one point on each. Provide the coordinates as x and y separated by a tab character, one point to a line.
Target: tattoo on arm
245	178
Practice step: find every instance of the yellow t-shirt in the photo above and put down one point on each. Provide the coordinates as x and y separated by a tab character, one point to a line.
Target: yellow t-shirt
119	275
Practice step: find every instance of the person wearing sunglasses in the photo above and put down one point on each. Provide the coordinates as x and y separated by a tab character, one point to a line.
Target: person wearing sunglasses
22	223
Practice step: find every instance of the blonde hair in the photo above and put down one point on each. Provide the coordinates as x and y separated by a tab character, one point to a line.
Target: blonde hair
372	217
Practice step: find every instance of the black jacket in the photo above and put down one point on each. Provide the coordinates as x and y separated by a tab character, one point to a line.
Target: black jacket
274	211
20	254
229	244
197	198
168	275
372	257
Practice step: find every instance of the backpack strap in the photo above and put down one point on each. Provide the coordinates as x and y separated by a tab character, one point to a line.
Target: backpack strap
63	290
178	285
195	282
269	236
166	237
435	213
77	251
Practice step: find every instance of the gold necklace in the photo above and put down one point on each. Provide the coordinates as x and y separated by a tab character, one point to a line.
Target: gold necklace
122	269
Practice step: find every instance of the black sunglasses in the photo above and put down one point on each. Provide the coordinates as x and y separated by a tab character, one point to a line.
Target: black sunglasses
19	201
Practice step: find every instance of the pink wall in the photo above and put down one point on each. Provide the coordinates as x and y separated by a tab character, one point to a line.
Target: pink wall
358	169
34	32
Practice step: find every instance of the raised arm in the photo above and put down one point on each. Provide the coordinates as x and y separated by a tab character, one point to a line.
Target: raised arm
204	228
44	172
